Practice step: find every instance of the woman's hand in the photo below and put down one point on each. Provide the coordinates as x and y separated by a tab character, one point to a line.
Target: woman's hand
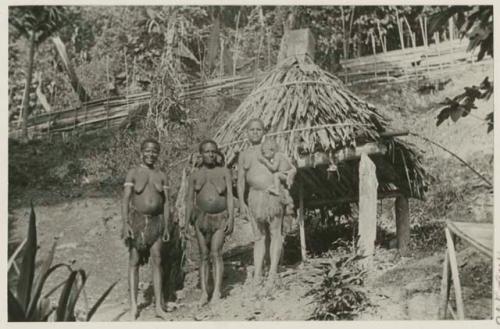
290	177
228	230
166	235
127	231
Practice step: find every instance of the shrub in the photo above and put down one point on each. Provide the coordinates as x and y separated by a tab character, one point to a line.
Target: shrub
340	295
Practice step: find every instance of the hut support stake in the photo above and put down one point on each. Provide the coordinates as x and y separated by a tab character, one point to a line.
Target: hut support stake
301	223
368	185
402	224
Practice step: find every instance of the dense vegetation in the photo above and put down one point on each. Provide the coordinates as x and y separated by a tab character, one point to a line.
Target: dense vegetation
115	50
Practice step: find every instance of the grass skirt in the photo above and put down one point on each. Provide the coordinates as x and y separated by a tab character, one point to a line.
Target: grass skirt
147	230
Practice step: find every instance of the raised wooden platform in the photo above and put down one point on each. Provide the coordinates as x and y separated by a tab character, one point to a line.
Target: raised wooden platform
478	235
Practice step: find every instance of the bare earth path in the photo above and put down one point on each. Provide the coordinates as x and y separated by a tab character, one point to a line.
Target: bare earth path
398	288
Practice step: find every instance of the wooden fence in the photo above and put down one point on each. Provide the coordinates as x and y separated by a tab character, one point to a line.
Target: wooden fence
406	64
397	66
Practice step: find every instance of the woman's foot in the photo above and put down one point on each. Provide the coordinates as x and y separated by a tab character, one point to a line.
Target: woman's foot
215	297
160	313
132	314
203	299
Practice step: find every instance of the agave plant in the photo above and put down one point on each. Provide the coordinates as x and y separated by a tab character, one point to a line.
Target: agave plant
26	301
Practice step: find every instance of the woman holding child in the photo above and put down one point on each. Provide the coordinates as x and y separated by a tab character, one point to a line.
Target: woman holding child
210	208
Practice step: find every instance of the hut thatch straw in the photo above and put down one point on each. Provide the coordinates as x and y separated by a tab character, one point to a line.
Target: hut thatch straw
297	97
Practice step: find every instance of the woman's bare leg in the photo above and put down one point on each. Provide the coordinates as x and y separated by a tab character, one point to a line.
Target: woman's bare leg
133	281
259	252
204	255
217	262
157	278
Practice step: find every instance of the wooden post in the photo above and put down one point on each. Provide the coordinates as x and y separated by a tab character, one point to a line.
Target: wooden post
445	287
367	208
296	43
402	224
454	274
301	222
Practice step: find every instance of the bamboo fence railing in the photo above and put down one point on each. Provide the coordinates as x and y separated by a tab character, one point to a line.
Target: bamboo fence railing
399	66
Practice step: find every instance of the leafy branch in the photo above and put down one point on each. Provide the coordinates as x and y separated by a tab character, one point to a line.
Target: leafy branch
462	104
475	22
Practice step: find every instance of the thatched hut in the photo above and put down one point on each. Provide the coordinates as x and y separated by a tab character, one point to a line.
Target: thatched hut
325	128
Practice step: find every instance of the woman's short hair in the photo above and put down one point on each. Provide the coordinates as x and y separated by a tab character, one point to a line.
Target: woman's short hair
256	120
207	141
150	141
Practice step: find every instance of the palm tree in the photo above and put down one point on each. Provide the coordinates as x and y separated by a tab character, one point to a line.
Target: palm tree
36	24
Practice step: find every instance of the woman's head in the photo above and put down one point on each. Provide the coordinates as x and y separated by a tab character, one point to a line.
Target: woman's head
150	149
209	150
255	130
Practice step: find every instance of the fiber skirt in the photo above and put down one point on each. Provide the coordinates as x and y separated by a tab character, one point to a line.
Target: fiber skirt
147	229
210	223
264	206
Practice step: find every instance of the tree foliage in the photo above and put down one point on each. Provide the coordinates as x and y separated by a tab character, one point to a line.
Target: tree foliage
475	23
42	21
118	49
35	24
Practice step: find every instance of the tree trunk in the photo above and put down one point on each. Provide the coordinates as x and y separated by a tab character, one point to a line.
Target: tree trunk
344	32
400	30
451	28
73	78
29	76
349	33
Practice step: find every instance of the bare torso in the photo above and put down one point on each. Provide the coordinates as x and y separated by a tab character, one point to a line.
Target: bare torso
258	176
148	197
210	188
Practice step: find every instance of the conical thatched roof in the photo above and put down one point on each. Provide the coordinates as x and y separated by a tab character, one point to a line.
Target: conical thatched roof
300	98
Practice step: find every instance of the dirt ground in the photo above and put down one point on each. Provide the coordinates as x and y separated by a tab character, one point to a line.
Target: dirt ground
398	288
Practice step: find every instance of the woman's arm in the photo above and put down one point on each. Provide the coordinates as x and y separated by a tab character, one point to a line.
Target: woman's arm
230	201
241	180
166	209
127	195
190	199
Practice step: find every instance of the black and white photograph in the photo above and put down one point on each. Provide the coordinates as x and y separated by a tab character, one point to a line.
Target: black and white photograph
250	162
